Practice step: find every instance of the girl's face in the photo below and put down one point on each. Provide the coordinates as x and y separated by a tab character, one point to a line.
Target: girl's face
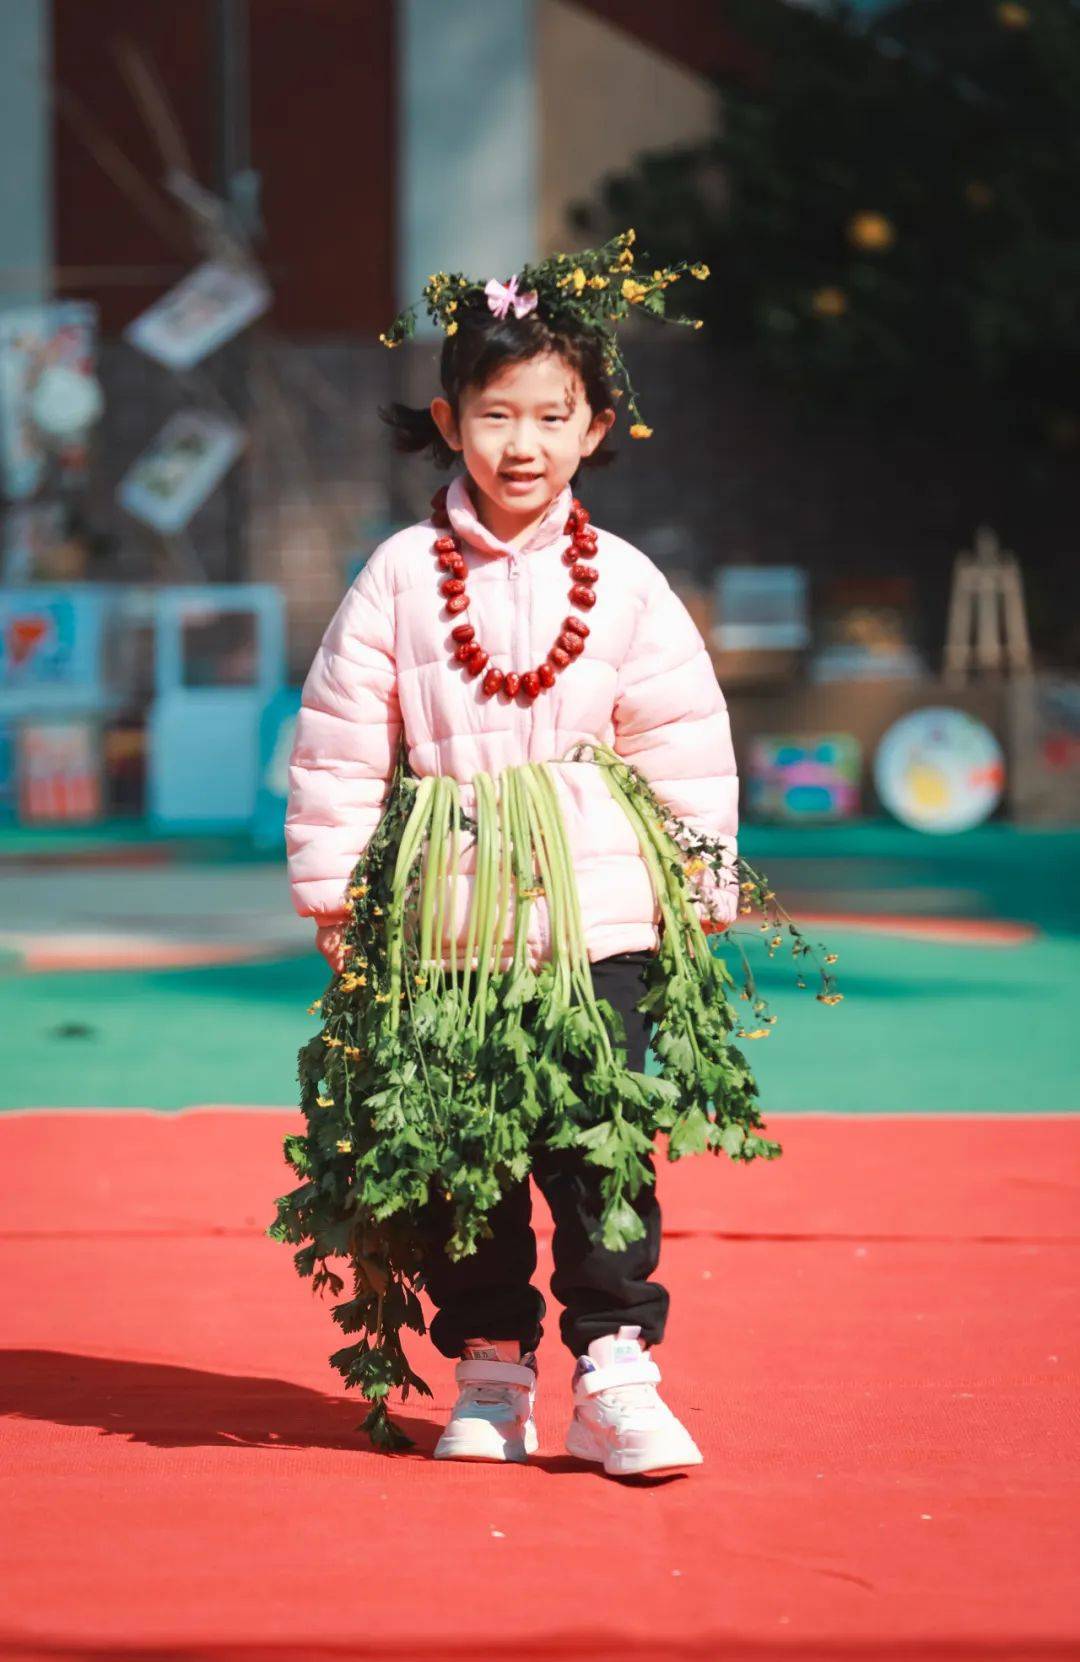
523	436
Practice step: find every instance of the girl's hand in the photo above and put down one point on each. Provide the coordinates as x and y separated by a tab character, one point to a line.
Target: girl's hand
330	940
706	893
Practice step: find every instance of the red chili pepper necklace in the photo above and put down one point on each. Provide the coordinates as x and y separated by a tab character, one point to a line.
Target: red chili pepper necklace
568	645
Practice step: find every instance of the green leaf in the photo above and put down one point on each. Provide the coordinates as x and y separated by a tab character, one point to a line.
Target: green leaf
689	1135
732	1139
621	1225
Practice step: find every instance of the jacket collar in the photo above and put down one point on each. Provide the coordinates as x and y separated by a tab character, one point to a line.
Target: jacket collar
466	522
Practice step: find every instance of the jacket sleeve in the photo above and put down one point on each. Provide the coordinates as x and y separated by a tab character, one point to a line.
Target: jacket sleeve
345	747
671	721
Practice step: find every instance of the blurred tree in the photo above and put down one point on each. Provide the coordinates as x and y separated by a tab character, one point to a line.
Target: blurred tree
890	211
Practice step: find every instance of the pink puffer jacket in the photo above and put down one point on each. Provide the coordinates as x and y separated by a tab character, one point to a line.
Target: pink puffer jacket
644	684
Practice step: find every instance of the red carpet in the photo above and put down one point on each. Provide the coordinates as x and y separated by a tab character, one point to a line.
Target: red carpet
873	1339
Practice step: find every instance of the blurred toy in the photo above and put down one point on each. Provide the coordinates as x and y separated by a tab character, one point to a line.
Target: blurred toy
49	395
939	770
219	658
760	623
804	777
59	769
863	632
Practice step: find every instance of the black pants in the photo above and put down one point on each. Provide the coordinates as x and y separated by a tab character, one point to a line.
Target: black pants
489	1294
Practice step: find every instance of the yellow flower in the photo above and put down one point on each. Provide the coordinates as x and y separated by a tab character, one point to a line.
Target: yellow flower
357	888
629	236
758	1033
579	279
333	1043
388	342
378	909
344	1146
633	290
451	329
830	998
700	272
871	231
353	1051
325	1101
312	1009
598	282
829	302
697	323
626	257
694	866
640	431
831	957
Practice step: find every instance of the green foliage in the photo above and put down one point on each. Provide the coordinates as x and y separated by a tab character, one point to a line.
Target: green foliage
431	1081
592	289
890	211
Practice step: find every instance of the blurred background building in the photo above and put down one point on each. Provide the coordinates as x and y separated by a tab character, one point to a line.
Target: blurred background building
863	471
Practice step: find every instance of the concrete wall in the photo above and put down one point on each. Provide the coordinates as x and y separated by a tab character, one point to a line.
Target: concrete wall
25	176
603	98
468	141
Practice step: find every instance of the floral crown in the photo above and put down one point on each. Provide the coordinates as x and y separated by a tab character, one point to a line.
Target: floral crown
596	287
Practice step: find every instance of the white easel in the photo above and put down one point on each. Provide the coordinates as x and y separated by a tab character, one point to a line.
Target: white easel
987	602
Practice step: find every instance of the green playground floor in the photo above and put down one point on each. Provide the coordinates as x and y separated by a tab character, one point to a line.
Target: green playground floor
924	1026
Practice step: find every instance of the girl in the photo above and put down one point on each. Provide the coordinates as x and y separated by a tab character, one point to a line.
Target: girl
505	642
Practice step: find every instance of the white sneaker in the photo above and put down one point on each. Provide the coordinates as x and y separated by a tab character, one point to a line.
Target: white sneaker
493	1415
619	1418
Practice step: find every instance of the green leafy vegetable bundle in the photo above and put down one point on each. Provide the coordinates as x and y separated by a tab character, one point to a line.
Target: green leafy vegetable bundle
435	1072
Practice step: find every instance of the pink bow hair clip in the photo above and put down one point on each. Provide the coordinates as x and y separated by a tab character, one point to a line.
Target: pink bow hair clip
501	296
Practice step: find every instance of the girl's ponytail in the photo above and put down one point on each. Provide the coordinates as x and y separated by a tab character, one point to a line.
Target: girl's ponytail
415	430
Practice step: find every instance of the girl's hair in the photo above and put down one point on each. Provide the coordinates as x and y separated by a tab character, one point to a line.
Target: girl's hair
482	345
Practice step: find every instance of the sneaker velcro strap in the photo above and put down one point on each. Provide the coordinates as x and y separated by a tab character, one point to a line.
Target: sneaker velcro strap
644	1372
494	1373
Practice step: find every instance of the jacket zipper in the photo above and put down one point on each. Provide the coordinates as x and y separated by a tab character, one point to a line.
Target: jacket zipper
521	636
521	652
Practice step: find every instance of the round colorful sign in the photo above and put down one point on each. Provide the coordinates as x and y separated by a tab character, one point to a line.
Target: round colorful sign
939	770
